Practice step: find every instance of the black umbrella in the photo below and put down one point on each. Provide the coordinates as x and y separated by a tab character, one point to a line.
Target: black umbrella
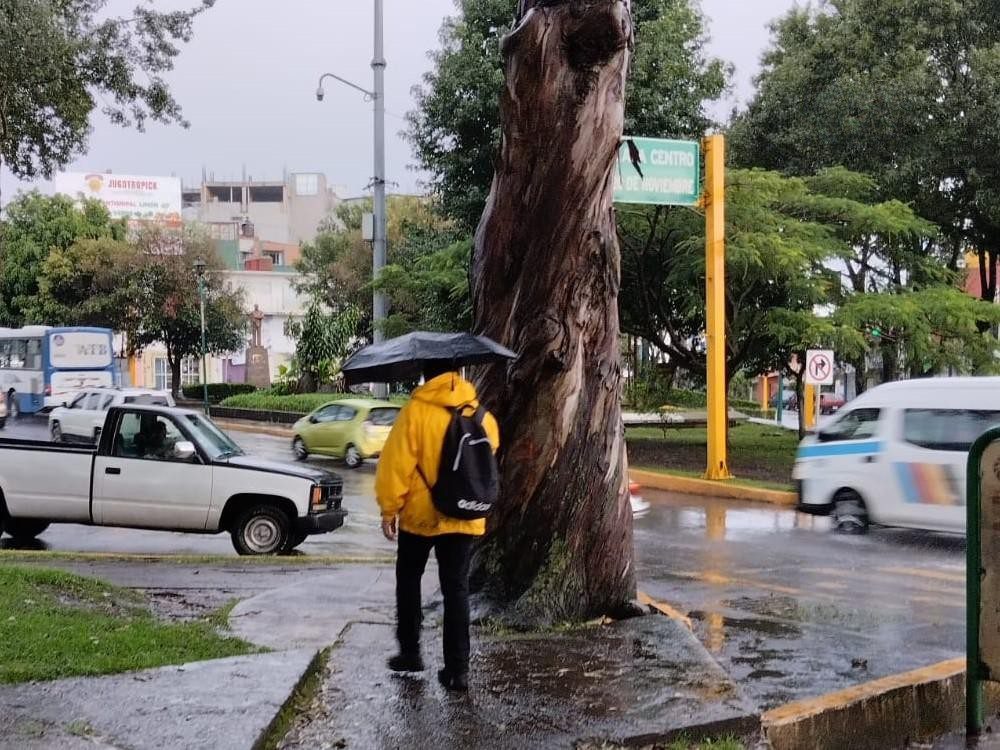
402	358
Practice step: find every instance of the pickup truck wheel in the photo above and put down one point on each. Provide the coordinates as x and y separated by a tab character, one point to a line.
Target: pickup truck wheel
262	530
57	435
299	449
295	540
24	529
352	457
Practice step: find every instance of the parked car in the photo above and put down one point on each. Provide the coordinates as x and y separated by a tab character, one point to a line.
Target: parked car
351	429
830	403
788	397
83	419
896	455
157	467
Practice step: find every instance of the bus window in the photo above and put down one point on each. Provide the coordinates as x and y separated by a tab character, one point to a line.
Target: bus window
17	354
33	354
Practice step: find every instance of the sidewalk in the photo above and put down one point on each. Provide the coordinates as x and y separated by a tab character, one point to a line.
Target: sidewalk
642	678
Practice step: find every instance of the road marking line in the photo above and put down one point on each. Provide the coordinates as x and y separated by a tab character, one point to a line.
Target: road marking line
934	575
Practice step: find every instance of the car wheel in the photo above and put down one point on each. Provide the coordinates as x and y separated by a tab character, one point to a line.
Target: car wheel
299	449
24	529
57	435
261	530
353	458
850	514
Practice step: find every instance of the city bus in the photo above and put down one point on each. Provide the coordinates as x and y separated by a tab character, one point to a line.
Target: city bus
42	366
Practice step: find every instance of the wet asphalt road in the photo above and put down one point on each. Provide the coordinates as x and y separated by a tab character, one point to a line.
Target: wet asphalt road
789	608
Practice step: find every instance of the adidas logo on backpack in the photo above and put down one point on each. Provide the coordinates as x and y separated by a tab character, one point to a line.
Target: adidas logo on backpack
468	482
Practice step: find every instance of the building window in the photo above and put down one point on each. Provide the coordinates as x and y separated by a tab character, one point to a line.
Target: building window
163	380
277	258
306	184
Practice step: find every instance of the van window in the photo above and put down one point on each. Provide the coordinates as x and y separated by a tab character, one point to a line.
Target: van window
947	429
853	425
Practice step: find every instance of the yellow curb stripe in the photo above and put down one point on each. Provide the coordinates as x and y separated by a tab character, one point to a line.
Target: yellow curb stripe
665	609
799	710
705	488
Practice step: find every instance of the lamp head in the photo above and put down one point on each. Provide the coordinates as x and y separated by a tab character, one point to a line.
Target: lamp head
199	267
319	94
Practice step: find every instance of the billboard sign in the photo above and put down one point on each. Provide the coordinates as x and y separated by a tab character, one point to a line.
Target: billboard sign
135	198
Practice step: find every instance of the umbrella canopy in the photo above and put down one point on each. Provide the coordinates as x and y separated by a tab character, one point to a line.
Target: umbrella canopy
403	358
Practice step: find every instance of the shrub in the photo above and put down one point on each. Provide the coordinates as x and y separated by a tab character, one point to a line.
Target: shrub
217	391
299	403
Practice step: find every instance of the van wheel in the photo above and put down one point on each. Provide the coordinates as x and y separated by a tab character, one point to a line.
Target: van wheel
352	457
262	530
24	529
850	514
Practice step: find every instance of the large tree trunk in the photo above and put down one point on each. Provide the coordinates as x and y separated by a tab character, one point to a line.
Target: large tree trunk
545	275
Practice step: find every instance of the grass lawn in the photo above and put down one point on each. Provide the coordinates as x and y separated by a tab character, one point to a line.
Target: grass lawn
759	455
55	624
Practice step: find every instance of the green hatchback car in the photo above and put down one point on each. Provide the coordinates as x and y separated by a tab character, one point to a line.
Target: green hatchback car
351	429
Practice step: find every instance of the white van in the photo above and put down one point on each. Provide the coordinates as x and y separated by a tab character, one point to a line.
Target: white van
896	454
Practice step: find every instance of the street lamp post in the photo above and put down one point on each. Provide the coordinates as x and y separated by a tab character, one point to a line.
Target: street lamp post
199	269
377	96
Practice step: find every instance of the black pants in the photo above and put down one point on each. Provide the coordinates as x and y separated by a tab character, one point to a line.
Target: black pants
453	552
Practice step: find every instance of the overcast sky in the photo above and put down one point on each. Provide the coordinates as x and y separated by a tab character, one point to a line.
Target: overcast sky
247	84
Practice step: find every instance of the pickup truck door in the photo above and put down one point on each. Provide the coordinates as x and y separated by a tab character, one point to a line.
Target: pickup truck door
141	484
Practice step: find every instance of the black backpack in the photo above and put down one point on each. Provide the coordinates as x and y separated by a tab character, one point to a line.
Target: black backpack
468	482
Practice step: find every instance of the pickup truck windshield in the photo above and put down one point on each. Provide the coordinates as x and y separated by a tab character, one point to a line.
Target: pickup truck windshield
214	441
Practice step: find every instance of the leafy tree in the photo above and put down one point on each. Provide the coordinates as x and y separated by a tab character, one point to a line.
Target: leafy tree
88	283
336	267
166	303
783	236
59	60
455	128
322	342
35	226
428	286
907	91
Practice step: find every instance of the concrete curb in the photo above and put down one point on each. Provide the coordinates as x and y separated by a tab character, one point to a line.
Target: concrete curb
703	487
885	713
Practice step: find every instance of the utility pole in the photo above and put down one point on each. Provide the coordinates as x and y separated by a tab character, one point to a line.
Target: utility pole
379	239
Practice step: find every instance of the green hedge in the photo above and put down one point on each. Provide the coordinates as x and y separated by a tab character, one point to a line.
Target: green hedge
299	403
217	391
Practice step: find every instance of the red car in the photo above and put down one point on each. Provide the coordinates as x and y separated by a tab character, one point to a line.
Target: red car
830	404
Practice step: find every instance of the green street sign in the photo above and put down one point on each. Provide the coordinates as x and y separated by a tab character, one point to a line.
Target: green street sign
671	173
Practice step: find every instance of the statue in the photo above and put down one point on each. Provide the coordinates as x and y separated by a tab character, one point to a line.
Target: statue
256	321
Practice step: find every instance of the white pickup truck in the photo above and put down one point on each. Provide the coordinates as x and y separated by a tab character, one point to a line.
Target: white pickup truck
158	467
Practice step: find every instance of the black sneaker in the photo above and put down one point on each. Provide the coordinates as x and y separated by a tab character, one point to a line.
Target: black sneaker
406	663
458	682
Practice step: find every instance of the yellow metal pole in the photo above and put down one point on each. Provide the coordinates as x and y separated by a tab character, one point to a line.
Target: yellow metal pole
715	304
810	406
765	393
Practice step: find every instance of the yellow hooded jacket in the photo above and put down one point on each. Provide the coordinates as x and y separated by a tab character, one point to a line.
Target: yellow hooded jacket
416	439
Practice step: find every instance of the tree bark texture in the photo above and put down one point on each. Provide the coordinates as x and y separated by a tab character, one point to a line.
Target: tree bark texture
545	278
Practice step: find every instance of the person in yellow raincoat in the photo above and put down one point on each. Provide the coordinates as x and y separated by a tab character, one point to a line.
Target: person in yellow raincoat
407	469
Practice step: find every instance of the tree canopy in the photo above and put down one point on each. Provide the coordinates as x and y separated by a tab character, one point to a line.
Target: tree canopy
59	61
455	128
908	92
